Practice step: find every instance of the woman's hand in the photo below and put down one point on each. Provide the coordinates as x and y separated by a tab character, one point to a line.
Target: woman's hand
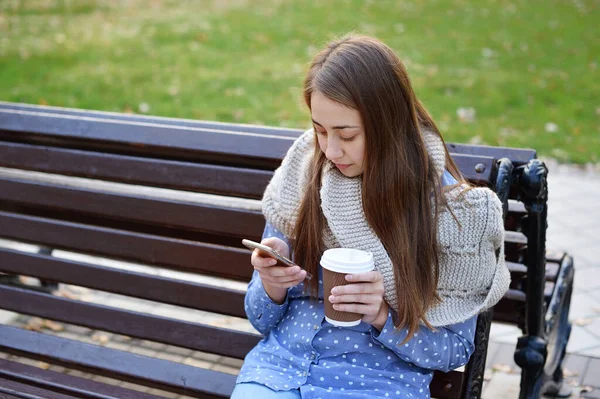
276	279
364	296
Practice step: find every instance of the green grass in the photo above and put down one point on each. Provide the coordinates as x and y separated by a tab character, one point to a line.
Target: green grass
521	64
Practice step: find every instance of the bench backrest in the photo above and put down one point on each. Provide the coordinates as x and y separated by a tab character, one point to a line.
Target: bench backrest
180	230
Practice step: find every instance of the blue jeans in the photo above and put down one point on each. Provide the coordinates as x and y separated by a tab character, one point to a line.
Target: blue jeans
247	390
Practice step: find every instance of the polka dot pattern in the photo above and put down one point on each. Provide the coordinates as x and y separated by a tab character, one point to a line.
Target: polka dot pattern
301	350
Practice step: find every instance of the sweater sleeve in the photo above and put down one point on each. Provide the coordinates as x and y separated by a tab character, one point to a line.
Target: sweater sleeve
445	348
262	312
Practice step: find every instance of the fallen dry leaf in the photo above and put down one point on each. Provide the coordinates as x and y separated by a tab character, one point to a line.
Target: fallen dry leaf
52	325
35	324
29	280
100	338
572	383
487	375
67	294
505	368
43	365
586	388
582	321
570	373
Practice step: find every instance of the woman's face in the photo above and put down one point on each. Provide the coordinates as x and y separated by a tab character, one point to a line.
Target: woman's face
340	133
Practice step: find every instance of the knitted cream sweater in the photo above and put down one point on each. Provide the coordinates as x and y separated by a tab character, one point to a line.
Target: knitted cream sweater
472	278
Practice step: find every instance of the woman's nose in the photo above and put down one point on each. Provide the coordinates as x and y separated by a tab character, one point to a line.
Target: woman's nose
334	149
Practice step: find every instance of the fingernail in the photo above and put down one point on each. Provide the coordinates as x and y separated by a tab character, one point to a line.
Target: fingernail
334	291
348	277
331	298
273	262
295	269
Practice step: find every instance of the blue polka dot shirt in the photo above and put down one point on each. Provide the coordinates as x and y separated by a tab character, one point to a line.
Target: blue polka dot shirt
302	351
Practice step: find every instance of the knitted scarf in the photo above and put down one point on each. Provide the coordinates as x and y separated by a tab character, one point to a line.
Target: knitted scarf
471	275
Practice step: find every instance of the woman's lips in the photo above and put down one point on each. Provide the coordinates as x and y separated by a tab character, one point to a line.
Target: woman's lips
341	166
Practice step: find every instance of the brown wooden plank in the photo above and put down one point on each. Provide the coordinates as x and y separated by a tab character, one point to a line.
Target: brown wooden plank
480	170
515	237
447	385
5	395
511	308
517	207
214	179
153	328
232	127
129	207
518	156
519	270
143	370
79	387
16	389
154	288
253	150
177	254
555	256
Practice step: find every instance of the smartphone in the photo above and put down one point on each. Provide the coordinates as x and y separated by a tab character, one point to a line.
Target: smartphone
272	253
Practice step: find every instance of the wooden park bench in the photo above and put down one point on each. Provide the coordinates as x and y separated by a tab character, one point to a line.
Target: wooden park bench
202	235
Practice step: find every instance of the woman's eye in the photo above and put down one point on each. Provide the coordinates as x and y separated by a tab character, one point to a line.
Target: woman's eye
321	132
348	138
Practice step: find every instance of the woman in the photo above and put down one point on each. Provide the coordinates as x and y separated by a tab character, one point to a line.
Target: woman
373	174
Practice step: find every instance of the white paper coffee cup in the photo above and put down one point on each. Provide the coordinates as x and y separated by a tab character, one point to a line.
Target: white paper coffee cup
337	263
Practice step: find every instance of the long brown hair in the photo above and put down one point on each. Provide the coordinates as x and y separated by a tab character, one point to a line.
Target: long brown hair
399	179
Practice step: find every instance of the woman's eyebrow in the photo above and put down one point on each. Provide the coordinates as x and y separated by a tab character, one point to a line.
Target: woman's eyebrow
340	127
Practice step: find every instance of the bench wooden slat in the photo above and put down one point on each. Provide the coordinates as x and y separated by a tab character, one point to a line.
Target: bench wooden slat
158	373
519	270
469	164
198	177
77	386
17	389
555	256
114	320
20	395
178	142
80	387
232	127
518	156
171	253
511	308
181	333
154	288
129	207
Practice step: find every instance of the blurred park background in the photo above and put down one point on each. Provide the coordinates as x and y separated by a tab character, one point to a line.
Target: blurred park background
519	73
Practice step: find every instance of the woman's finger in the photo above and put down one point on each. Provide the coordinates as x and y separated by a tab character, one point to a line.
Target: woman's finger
367	277
356	308
358	288
364	298
279	271
257	260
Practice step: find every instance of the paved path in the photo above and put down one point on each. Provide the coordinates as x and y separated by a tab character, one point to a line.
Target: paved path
574	226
